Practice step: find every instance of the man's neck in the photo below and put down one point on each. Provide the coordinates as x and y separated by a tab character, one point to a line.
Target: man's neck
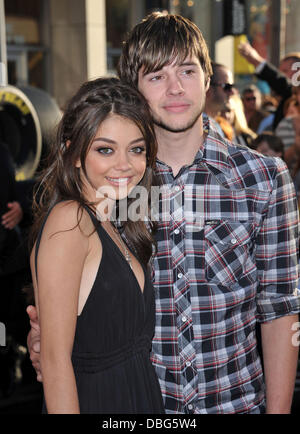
179	149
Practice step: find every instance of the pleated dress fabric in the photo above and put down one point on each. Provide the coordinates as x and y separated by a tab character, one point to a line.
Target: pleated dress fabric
111	352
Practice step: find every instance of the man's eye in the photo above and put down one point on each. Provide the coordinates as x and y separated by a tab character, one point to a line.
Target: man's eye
188	72
105	151
156	78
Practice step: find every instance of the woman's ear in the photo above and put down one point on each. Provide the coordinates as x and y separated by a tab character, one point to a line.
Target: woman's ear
78	163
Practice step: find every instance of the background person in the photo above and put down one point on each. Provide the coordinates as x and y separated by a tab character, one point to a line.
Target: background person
269	144
242	134
252	102
278	79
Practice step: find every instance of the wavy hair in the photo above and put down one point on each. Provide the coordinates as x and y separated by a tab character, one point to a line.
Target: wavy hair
60	180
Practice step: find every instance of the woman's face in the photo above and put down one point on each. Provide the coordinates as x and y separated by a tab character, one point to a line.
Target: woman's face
116	160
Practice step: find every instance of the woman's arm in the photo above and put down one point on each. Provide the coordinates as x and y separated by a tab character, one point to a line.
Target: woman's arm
62	253
280	363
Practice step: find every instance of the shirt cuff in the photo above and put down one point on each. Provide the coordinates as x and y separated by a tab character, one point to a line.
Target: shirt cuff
269	309
260	67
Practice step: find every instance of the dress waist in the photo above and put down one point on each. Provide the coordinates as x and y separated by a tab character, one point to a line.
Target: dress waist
95	362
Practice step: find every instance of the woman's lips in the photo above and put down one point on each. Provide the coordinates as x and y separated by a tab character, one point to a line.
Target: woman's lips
119	181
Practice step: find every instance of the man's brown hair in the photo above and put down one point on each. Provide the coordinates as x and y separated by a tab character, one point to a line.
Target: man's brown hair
157	41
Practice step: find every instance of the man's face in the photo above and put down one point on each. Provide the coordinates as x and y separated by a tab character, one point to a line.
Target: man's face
250	101
176	94
220	97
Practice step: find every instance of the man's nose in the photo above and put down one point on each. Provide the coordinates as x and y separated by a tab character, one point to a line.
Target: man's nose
175	86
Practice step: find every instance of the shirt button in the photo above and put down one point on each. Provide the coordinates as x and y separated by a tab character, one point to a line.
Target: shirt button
183	319
190	407
177	188
233	241
180	275
188	364
176	232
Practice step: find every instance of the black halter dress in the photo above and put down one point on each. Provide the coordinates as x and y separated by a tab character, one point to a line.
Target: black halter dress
111	352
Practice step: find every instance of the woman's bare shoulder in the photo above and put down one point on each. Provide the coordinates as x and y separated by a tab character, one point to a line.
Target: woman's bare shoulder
68	216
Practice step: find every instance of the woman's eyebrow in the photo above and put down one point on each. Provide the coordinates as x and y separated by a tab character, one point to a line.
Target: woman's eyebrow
140	139
105	139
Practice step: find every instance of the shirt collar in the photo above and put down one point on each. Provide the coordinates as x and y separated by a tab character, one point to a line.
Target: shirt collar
214	150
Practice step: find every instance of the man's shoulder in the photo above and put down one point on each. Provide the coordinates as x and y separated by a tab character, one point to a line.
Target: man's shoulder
251	168
246	159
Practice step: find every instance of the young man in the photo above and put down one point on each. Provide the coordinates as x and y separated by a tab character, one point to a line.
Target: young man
226	252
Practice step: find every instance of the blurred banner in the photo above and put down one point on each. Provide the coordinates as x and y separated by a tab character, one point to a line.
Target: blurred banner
234	17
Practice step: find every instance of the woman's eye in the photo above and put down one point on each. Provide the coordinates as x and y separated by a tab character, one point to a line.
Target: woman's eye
105	151
138	149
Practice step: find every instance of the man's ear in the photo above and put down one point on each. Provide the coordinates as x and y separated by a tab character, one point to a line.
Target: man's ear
207	84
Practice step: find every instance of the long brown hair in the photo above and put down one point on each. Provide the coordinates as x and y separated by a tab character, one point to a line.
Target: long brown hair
60	180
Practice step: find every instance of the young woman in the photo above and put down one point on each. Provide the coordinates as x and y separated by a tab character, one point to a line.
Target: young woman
93	294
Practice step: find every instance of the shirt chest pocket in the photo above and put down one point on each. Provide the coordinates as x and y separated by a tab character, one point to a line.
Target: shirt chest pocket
229	251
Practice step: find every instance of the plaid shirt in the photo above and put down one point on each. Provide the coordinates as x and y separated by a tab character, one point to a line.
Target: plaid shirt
226	258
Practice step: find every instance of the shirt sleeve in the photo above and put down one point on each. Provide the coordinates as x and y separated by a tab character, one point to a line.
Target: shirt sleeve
277	251
260	67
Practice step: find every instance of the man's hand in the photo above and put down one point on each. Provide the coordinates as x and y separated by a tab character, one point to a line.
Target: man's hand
250	54
33	341
12	217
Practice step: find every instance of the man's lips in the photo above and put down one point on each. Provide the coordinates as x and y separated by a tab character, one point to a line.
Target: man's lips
176	108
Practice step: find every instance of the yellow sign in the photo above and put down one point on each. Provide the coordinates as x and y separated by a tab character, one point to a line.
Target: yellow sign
241	65
20	176
15	100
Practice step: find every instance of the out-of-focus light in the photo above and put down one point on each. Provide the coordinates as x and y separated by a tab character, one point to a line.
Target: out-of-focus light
190	3
175	2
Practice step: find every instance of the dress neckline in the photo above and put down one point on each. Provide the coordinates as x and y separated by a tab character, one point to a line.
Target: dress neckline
93	215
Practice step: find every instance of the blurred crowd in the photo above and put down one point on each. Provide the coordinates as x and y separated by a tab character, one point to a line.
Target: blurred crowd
15	221
268	123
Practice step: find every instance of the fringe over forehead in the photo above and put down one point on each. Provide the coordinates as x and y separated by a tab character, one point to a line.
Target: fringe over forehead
159	40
